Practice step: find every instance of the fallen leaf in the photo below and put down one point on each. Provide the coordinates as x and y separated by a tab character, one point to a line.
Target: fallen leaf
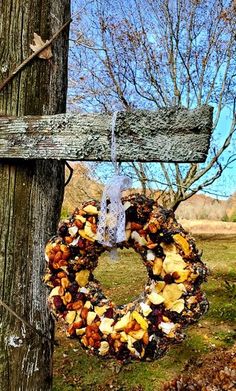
37	44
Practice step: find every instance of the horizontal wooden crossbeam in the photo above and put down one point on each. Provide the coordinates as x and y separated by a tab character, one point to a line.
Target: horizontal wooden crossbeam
171	135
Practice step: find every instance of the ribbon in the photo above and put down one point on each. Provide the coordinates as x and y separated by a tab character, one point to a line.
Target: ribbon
111	224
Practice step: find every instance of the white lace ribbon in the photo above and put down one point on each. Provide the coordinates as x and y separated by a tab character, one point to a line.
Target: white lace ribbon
111	224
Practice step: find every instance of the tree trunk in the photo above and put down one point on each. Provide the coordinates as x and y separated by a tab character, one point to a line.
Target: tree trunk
31	192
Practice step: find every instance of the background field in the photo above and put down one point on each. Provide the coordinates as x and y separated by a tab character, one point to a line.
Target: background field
75	370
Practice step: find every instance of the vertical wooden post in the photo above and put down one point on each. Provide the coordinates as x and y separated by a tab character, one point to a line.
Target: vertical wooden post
31	192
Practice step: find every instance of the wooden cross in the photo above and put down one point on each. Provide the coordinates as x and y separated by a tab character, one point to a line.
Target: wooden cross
35	141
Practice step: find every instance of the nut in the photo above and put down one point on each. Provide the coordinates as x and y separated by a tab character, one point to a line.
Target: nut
51	255
84	313
90	210
94	228
67	297
56	247
79	224
115	335
117	345
88	332
97	344
62	262
66	254
96	336
130	326
91	341
135	226
152	228
63	248
84	340
58	256
146	338
78	325
77	305
136	327
57	291
65	282
68	239
91	219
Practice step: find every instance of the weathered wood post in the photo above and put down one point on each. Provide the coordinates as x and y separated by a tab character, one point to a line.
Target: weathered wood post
31	192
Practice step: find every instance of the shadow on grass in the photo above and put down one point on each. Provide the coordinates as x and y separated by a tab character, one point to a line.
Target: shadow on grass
222	304
226	276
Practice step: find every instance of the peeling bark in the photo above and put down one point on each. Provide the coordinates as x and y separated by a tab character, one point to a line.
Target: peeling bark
31	192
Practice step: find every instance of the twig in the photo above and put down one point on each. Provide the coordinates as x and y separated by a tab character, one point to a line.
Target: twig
40	333
27	60
70	174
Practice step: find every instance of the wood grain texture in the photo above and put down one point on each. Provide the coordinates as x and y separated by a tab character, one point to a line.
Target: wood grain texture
171	135
31	192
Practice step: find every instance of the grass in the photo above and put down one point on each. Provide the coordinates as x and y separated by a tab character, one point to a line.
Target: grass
76	370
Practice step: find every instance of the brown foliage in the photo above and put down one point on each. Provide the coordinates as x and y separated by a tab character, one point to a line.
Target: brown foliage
217	371
81	187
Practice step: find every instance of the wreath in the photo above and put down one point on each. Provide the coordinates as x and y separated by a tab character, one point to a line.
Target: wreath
171	300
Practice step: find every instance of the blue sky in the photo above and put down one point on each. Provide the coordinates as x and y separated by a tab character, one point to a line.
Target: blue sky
222	187
226	184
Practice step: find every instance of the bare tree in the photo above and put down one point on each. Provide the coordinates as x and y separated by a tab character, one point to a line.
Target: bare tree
157	53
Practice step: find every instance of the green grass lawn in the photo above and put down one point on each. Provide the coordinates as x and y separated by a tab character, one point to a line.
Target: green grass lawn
76	370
